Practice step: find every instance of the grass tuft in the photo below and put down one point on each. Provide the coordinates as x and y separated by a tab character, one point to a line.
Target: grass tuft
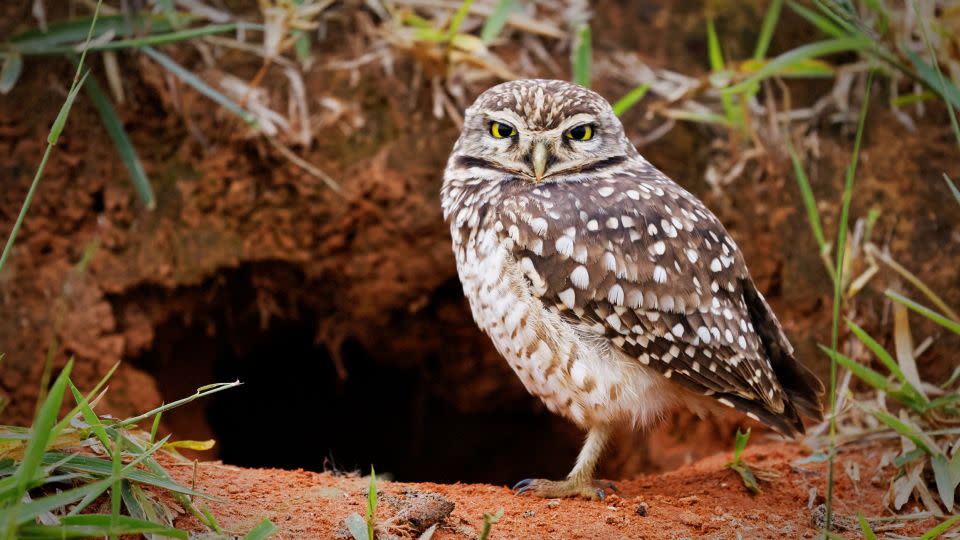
739	466
488	521
582	53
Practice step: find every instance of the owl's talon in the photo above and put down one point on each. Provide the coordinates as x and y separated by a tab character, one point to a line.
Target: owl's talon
521	485
551	489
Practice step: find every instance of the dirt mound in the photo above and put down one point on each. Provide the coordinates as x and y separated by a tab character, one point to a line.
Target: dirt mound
704	500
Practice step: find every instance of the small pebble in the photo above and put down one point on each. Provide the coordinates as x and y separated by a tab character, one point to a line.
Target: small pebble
529	513
690	519
641	509
553	503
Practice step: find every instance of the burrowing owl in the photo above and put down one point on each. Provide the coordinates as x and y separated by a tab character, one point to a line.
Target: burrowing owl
613	293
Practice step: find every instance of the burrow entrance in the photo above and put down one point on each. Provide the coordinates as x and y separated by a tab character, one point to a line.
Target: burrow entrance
295	411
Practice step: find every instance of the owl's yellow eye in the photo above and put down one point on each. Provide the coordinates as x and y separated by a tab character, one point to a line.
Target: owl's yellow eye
500	130
583	132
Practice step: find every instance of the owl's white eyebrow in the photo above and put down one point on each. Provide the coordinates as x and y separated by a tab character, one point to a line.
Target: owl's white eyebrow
509	117
576	120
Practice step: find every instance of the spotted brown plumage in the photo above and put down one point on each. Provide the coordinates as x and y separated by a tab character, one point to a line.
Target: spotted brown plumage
612	292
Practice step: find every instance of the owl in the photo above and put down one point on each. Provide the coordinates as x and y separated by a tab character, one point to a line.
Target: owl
612	292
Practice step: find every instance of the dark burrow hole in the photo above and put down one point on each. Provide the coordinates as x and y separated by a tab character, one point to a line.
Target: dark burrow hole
293	411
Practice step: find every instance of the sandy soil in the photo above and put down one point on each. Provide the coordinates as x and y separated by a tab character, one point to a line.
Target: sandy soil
704	500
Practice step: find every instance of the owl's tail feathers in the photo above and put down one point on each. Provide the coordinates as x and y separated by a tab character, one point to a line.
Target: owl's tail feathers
803	388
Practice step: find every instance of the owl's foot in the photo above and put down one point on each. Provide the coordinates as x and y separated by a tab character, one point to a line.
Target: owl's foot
550	489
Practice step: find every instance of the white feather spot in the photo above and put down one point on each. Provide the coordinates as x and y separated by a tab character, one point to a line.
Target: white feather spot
568	297
580	277
615	295
539	225
564	246
660	274
660	247
715	265
677	329
605	191
703	334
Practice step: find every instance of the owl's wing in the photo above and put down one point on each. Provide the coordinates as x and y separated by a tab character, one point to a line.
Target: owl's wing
634	257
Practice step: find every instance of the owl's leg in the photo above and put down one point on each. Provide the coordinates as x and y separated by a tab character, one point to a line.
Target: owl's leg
580	481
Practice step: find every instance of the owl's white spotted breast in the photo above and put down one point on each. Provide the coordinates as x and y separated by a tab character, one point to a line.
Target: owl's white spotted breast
576	374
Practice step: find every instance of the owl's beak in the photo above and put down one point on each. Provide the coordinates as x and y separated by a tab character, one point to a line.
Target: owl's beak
539	160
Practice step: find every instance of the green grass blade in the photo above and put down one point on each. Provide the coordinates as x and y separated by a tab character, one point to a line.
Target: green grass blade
809	201
104	468
865	528
155	426
199	85
73	31
372	504
864	373
89	397
841	16
41	433
10	72
57	128
457	21
117	133
714	51
809	68
497	20
822	23
770	19
715	54
949	324
630	99
8	247
943	527
91	417
905	430
929	76
170	12
92	525
881	355
582	53
953	187
203	391
115	495
488	521
740	444
838	293
802	53
28	512
263	530
944	84
146	41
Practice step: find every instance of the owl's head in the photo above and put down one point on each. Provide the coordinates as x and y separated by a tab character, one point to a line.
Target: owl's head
540	131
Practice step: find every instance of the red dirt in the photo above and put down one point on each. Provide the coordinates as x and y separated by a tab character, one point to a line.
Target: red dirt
704	500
